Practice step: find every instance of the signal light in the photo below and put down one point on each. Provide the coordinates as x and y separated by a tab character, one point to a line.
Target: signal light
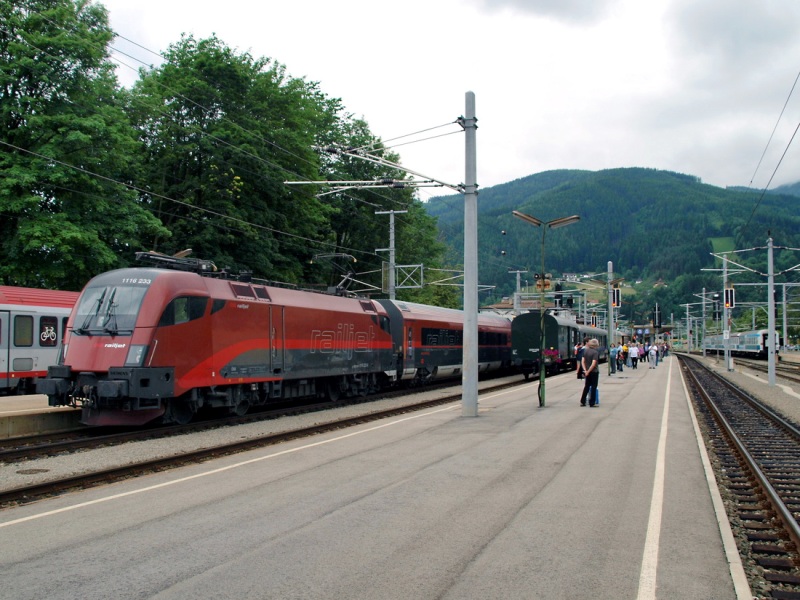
615	298
730	298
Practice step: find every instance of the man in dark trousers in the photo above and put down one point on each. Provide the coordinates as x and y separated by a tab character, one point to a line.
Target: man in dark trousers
591	373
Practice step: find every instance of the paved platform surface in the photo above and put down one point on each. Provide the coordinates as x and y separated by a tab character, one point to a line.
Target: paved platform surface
519	502
26	415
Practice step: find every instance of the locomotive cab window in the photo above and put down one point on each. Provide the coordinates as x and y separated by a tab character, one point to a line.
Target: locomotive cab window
182	310
108	309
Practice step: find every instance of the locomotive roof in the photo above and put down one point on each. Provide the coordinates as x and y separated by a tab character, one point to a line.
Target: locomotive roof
22	296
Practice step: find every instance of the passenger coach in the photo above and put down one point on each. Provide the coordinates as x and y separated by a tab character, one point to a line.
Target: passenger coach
32	325
430	340
561	333
753	344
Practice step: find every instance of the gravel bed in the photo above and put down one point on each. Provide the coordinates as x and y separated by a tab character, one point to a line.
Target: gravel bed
755	383
41	470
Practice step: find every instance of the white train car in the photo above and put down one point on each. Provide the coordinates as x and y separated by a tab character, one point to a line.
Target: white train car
751	344
32	326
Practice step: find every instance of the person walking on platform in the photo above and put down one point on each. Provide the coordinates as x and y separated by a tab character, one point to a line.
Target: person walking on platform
653	356
612	360
634	353
579	350
591	374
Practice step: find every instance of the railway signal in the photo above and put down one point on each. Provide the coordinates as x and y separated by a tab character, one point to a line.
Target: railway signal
615	298
542	281
656	316
730	298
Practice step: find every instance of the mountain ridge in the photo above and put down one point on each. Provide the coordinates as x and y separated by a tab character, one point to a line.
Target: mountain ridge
653	225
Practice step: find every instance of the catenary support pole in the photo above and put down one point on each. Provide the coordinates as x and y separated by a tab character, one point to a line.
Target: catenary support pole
391	249
469	378
771	318
611	324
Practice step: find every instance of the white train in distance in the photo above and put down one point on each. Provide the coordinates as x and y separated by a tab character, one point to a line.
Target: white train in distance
753	344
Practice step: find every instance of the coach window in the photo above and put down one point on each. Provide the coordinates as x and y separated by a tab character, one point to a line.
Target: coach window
23	330
182	310
48	331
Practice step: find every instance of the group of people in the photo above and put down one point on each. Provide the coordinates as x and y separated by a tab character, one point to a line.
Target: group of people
624	355
588	362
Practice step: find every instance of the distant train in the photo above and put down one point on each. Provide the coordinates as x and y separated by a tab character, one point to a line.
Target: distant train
753	344
561	331
32	325
164	342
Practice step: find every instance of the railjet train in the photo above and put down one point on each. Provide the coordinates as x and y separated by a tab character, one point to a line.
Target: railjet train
165	341
32	325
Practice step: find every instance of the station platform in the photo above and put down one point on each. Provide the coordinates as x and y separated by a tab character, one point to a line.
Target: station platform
522	501
27	415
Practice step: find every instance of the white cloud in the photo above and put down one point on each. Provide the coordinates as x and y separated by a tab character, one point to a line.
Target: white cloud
688	86
566	10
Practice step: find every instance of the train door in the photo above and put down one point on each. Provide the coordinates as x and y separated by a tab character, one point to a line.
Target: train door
5	350
276	339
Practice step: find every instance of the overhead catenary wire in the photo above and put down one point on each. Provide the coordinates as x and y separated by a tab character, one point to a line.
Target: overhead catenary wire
774	129
766	187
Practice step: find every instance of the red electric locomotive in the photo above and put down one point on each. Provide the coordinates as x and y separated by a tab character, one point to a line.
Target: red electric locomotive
162	343
151	342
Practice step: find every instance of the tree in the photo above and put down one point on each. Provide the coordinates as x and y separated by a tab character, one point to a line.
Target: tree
222	131
66	147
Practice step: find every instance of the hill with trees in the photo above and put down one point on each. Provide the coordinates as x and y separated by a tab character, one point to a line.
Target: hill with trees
658	228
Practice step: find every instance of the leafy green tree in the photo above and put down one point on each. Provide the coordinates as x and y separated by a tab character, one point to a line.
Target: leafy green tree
222	131
66	145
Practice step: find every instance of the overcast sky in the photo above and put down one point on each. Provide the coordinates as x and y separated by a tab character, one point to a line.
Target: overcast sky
694	86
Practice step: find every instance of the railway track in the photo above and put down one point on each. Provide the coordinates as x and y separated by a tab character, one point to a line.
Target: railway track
756	454
790	371
85	438
37	491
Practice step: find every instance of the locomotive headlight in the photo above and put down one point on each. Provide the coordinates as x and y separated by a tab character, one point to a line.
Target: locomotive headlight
136	355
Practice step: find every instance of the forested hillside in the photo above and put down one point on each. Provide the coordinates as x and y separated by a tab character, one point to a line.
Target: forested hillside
658	228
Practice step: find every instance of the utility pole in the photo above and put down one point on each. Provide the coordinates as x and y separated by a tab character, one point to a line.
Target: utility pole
688	331
771	317
392	264
517	300
726	317
469	378
610	313
704	323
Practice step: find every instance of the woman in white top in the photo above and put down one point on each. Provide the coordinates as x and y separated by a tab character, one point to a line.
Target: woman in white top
633	352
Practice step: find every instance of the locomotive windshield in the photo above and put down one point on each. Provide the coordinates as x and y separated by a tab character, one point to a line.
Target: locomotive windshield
108	309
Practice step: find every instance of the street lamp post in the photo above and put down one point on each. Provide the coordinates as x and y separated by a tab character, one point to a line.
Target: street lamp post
554	224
